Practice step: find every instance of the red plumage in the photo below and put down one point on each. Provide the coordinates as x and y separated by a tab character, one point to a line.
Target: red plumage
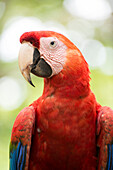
64	131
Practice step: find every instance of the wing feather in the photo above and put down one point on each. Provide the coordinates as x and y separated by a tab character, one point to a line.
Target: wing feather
21	139
105	138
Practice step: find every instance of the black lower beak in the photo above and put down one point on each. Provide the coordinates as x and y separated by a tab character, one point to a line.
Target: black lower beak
40	67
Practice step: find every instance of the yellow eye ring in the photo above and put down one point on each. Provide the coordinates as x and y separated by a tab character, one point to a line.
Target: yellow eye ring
53	44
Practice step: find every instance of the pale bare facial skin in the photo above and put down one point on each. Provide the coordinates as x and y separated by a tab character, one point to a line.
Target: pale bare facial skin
51	50
54	53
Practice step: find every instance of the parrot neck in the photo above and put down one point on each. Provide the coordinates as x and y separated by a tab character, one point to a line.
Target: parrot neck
72	81
63	85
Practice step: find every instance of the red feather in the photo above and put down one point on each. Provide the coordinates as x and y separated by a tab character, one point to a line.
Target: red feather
66	114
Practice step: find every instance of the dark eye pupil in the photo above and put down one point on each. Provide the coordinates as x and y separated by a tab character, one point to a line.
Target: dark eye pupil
52	43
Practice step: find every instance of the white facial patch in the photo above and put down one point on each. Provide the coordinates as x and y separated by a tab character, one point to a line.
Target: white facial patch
53	52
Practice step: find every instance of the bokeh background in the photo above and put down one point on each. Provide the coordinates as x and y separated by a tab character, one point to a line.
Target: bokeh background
88	23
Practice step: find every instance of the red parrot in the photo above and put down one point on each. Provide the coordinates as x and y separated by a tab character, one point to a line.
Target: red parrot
64	129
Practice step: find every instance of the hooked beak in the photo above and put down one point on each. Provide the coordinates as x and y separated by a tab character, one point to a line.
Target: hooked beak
30	61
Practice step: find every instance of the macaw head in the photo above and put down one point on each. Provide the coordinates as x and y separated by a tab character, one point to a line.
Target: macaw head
49	54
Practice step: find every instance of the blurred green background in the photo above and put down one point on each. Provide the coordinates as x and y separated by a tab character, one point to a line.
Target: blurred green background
89	24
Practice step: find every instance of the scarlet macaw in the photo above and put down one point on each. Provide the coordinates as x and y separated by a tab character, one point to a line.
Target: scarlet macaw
65	129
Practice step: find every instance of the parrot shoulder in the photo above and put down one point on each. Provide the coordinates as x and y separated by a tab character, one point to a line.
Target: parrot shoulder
21	136
105	137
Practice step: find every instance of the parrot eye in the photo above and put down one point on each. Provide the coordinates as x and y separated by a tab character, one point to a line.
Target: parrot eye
53	44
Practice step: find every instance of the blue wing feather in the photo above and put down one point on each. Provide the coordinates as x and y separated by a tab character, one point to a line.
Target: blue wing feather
110	157
23	158
18	157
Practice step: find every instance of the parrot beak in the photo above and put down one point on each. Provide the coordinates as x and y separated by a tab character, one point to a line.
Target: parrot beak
30	61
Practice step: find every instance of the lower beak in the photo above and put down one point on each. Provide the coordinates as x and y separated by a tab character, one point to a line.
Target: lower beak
30	61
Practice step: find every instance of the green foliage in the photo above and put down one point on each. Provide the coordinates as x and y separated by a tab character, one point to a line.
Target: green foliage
102	86
46	10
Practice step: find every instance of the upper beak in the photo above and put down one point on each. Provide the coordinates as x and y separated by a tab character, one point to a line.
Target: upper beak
30	61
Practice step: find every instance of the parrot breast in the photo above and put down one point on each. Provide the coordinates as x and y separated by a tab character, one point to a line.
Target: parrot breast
65	134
